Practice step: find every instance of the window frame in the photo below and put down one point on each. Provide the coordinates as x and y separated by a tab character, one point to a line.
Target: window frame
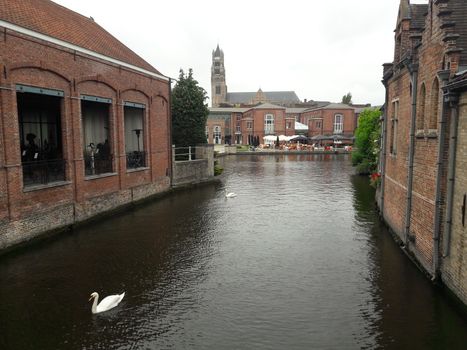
136	158
394	127
338	126
269	121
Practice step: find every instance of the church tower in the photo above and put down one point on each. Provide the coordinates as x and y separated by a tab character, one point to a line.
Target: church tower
218	85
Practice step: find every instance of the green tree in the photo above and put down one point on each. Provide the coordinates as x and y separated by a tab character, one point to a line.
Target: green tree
347	99
189	111
367	141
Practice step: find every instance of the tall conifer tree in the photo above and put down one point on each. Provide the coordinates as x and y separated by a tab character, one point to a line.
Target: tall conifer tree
189	111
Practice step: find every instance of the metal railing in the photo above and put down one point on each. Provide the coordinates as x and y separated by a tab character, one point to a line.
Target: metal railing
135	159
95	164
43	172
184	153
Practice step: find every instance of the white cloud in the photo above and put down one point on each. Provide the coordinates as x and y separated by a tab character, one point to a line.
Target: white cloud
322	50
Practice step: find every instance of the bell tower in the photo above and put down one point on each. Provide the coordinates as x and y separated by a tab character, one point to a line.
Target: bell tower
218	85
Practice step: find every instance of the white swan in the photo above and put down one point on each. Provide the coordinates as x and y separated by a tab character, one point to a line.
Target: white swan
106	304
230	194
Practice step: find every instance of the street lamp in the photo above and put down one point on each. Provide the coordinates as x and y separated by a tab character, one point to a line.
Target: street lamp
138	133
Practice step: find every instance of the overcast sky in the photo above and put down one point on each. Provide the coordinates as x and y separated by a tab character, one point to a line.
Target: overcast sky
319	49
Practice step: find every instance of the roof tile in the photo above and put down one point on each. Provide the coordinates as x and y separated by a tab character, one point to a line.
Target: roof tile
49	18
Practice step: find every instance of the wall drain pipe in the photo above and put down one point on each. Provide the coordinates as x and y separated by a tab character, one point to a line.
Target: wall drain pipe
453	99
443	76
413	69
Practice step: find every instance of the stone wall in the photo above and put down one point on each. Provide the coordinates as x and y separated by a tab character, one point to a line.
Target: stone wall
194	171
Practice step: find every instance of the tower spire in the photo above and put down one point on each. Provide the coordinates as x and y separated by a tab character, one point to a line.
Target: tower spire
218	84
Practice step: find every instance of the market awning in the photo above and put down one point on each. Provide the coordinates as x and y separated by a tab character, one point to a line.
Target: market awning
301	127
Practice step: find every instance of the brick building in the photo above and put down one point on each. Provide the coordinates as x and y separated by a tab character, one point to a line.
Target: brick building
236	117
422	162
334	120
240	125
84	124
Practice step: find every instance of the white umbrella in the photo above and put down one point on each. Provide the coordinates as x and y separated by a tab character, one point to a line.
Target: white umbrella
269	138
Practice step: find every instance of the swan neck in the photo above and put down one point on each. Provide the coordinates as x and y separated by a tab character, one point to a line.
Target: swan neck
94	304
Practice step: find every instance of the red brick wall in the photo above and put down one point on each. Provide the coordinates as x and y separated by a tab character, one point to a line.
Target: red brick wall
327	121
430	61
32	62
211	123
454	263
279	121
396	164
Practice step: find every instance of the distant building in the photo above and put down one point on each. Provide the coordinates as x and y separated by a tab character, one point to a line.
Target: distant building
334	120
238	117
84	121
232	125
220	97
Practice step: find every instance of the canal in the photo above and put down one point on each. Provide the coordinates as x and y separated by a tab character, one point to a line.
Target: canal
298	260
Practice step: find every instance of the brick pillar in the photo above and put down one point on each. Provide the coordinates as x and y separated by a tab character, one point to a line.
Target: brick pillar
14	174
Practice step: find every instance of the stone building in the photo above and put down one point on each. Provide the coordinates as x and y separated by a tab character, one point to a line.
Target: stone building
220	97
422	161
84	121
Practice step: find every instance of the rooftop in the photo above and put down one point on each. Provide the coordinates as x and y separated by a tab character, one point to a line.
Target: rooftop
53	20
273	96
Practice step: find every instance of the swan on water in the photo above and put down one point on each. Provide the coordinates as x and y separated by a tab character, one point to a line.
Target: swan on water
107	303
230	194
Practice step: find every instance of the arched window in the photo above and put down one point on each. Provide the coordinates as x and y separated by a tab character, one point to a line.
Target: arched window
421	109
268	124
217	135
338	124
433	125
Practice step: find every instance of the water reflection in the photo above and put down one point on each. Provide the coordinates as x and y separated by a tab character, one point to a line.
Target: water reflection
298	260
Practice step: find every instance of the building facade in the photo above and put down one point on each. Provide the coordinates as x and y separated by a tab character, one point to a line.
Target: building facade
333	119
335	122
421	163
84	121
240	125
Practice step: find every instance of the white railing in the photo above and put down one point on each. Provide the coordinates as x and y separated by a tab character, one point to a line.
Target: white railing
183	154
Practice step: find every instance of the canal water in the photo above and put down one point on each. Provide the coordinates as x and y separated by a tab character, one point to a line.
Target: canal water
298	260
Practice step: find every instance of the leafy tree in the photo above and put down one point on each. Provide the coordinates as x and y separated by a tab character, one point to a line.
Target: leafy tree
189	111
367	141
347	99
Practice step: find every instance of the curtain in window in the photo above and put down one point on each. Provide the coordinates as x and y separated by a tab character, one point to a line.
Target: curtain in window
133	127
95	126
39	121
